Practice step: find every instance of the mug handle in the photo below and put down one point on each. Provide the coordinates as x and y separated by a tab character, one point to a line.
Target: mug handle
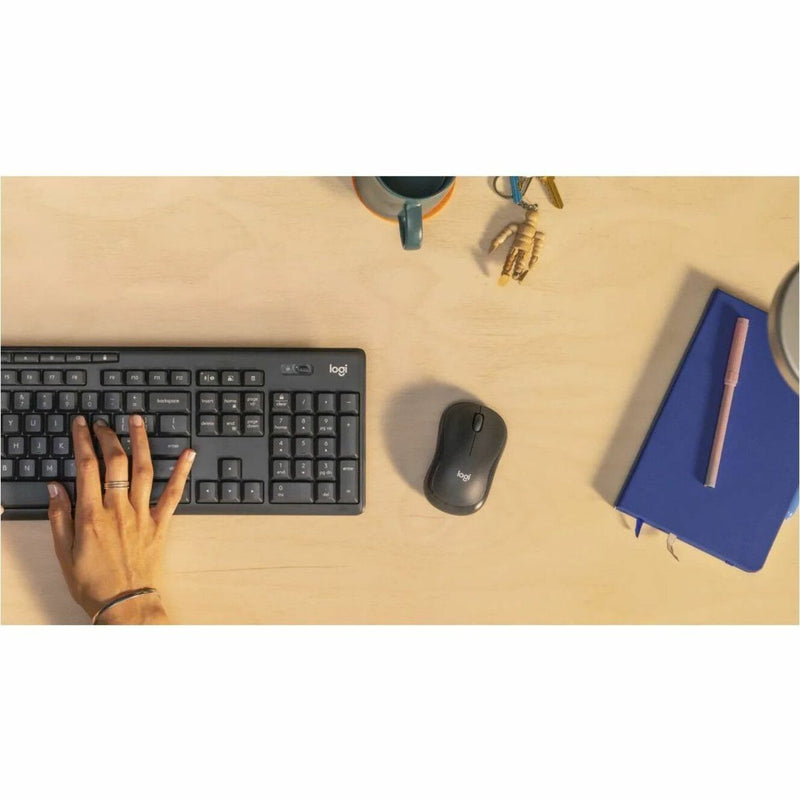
410	219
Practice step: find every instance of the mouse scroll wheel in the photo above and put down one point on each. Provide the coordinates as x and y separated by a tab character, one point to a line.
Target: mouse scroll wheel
477	422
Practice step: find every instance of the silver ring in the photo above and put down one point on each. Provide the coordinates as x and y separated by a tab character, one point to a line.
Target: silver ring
117	485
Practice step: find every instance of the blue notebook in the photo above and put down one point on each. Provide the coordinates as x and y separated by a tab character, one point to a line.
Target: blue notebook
739	519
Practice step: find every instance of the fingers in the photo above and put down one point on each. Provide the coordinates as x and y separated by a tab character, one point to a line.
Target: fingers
60	515
116	461
88	470
142	472
169	500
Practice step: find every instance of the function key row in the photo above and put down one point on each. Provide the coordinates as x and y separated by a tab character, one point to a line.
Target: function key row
36	377
304	402
140	377
59	358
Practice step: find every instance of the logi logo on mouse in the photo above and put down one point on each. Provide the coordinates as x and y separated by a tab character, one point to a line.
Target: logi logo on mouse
340	371
465	476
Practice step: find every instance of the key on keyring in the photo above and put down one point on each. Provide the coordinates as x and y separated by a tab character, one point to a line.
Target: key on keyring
552	190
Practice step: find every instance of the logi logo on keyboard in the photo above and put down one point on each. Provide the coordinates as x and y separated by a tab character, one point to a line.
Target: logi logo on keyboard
340	371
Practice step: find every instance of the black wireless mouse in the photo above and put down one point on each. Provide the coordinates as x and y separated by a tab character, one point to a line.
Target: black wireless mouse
471	441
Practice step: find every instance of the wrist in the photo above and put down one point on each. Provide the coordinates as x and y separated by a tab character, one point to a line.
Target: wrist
145	609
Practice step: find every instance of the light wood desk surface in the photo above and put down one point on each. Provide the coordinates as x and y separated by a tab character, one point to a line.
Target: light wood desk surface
576	360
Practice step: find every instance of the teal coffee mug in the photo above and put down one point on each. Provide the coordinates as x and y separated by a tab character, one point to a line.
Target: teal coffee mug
407	200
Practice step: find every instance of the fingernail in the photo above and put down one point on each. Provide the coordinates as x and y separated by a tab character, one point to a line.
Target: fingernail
52	490
136	421
190	456
101	423
81	420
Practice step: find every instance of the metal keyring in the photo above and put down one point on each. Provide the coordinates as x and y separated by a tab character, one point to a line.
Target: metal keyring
523	184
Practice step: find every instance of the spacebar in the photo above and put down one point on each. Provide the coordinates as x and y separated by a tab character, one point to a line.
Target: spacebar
24	495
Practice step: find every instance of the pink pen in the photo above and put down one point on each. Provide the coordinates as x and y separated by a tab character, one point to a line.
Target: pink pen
731	379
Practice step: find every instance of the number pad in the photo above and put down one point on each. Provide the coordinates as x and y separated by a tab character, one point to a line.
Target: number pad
314	447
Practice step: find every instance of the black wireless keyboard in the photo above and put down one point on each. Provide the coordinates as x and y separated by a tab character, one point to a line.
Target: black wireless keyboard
277	431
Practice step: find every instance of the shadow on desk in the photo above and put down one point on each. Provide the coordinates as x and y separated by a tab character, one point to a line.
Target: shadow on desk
653	383
411	426
30	546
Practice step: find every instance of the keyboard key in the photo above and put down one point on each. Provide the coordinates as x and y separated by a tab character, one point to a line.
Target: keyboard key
281	424
79	358
100	418
52	377
134	402
6	472
171	402
162	469
208	378
15	446
160	486
326	492
180	377
112	401
75	377
6	401
326	470
68	468
134	377
26	468
281	402
111	377
348	437
303	470
68	401
326	425
122	424
326	403
149	423
33	423
208	402
90	401
52	358
304	402
348	403
207	492
254	402
230	468
304	447
30	377
37	446
230	492
281	469
253	492
5	358
326	447
9	376
56	423
281	447
23	401
59	446
254	425
230	379
157	377
25	495
49	469
11	423
167	446
348	481
26	358
208	425
292	493
253	378
231	425
45	401
104	358
304	425
231	403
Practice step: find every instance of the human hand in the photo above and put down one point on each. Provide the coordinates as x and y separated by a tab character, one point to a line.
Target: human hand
115	542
